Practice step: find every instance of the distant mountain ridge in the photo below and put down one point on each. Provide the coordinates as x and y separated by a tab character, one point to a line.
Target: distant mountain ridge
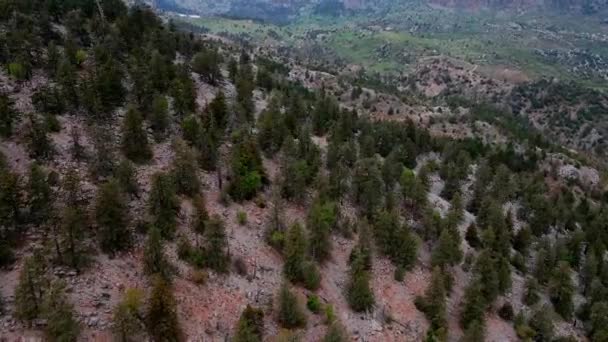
284	10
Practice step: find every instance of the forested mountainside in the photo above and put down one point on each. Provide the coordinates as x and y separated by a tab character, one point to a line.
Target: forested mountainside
157	184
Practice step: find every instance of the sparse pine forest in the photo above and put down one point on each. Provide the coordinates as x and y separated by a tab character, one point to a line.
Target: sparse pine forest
165	185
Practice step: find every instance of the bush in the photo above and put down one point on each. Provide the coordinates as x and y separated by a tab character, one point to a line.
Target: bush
312	276
506	312
399	273
314	304
290	315
241	218
240	266
198	277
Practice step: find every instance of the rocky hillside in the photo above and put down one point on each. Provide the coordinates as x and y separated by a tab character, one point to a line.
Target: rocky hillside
165	186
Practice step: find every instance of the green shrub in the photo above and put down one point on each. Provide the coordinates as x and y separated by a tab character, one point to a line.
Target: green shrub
17	71
314	304
241	218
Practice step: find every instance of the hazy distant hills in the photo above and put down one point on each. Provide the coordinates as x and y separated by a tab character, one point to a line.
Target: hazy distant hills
284	10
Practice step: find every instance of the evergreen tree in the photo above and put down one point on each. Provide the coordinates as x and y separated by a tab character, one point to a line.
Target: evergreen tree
474	305
486	270
475	332
126	176
39	195
112	215
368	186
73	222
160	116
38	142
216	253
271	128
247	170
163	204
542	323
30	289
433	304
134	138
295	253
531	296
155	262
128	316
472	236
185	170
59	313
250	327
290	313
447	251
103	164
395	239
321	220
183	92
7	115
10	205
561	291
414	191
336	333
207	65
599	321
200	216
161	316
219	110
359	295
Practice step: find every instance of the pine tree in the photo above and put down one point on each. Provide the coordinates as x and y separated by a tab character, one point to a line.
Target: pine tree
433	304
395	239
271	128
30	289
250	327
183	92
447	252
161	316
59	313
128	316
290	313
336	333
207	64
216	252
160	116
39	195
200	216
599	321
103	164
247	170
74	222
112	215
359	294
368	186
126	176
475	332
474	305
163	204
185	170
134	138
486	270
155	262
38	142
7	115
472	236
295	253
9	202
561	290
321	220
219	110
